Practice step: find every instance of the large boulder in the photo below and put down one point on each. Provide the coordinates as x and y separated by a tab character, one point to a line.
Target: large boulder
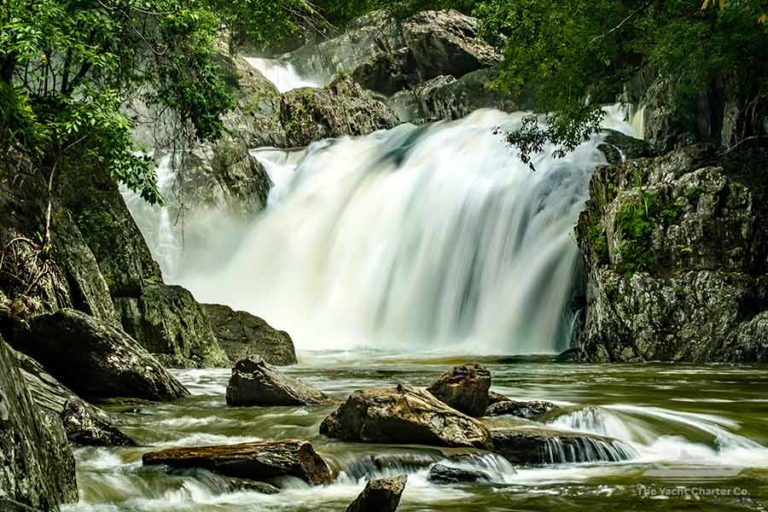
261	461
404	415
37	468
675	253
242	334
527	445
254	382
95	359
380	495
342	108
84	424
465	388
170	324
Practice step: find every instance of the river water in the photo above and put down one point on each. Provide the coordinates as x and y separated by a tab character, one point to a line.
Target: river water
699	427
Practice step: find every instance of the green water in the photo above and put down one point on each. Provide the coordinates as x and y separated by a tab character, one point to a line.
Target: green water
707	423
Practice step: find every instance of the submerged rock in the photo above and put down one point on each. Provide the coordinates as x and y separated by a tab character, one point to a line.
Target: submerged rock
254	382
342	108
261	461
533	410
403	415
380	495
523	445
444	473
84	424
94	359
465	388
37	468
241	334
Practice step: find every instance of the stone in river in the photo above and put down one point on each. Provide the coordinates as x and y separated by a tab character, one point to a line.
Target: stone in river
405	415
465	388
533	410
380	495
254	382
259	461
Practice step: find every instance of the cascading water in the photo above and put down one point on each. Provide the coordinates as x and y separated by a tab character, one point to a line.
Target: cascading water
419	237
282	74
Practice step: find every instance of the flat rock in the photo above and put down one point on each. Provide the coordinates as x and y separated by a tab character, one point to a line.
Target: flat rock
533	410
465	388
445	473
242	334
95	359
260	461
254	382
524	445
405	415
380	495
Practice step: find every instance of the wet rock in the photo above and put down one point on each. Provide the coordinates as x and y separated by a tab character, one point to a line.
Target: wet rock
83	423
261	461
403	415
675	256
392	462
241	334
37	468
173	326
380	495
465	388
94	359
618	147
342	108
533	410
445	473
254	382
523	445
494	397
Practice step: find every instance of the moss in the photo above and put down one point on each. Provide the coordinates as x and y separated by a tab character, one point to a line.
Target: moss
598	243
693	193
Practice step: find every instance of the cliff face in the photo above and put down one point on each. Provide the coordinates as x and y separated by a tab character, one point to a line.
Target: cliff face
676	257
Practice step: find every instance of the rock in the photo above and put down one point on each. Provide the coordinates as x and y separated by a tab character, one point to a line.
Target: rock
392	462
465	388
83	423
254	382
494	397
380	495
618	147
675	251
442	473
524	445
749	342
533	410
241	334
170	324
261	461
95	359
342	108
403	415
37	468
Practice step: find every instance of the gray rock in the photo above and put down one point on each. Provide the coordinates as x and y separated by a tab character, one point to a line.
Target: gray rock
37	468
83	423
465	388
380	495
342	108
533	410
523	445
403	415
618	147
261	461
447	474
241	334
95	359
254	382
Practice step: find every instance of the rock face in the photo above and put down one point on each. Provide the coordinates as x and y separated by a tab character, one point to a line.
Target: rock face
533	410
95	359
380	495
172	326
241	334
37	468
465	388
675	250
261	461
542	446
83	423
342	108
254	382
403	415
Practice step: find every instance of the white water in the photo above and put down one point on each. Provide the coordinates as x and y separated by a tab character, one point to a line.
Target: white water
414	237
282	74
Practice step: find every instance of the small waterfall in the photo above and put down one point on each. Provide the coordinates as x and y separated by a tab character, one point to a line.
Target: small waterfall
282	74
563	450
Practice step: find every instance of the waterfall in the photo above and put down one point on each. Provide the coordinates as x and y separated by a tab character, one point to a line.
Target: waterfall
430	238
282	74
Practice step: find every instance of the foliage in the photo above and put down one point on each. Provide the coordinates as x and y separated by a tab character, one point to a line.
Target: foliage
577	55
